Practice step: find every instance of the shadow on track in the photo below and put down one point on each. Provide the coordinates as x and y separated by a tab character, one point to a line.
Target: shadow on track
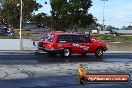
72	58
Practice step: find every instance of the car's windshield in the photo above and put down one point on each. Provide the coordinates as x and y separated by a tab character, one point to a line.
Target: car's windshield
48	37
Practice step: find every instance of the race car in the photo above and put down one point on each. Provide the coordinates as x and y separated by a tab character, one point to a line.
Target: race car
65	44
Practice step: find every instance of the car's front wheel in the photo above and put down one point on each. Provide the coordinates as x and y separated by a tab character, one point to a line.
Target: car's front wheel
66	52
99	52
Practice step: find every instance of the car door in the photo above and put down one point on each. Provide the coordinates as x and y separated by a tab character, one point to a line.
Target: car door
86	44
75	44
64	40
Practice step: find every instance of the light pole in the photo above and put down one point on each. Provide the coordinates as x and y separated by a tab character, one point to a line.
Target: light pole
103	14
20	33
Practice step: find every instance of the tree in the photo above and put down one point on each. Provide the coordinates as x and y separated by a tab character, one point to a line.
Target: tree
43	19
11	10
129	27
38	18
110	27
123	28
71	13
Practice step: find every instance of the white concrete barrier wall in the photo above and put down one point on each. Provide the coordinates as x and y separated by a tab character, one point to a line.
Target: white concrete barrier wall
123	31
9	44
14	44
28	45
104	32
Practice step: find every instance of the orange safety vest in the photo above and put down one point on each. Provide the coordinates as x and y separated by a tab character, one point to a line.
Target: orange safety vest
81	71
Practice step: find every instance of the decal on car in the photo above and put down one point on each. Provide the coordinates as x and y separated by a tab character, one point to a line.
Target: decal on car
59	45
80	46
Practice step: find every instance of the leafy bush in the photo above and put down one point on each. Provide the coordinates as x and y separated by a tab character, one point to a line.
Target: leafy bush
8	37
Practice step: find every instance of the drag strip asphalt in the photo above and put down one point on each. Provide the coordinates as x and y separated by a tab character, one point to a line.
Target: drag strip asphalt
31	58
26	70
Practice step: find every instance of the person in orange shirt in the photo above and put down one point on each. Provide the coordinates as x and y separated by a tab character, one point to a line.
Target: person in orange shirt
81	71
81	74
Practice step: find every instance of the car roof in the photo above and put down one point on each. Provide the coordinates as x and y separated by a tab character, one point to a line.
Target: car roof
62	33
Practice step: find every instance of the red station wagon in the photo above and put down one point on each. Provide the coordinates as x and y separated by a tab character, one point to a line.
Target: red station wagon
66	44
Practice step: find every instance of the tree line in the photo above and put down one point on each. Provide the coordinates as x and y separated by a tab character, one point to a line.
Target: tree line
65	14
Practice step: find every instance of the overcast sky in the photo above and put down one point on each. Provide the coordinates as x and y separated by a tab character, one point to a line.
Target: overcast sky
118	13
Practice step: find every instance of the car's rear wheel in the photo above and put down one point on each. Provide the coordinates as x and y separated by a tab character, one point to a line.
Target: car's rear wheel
99	52
66	52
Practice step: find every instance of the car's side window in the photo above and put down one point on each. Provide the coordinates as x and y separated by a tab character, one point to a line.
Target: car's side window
84	39
64	38
61	38
75	38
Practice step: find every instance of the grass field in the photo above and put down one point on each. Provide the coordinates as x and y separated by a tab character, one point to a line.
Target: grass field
112	38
